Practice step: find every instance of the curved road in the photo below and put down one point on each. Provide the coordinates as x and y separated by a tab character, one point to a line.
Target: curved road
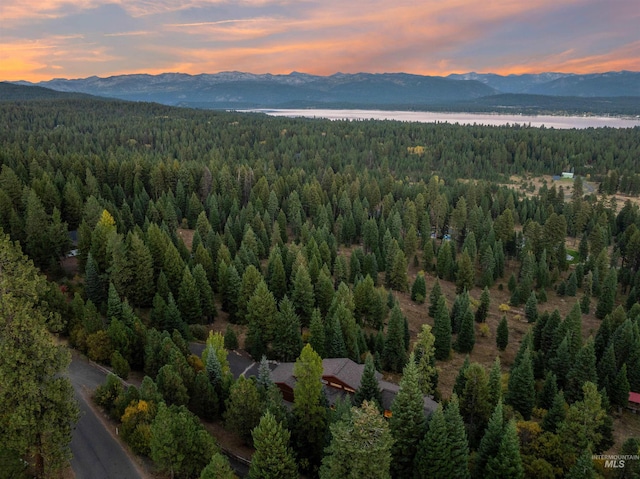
97	454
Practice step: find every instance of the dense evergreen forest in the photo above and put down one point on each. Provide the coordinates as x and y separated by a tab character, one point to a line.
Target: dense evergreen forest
308	239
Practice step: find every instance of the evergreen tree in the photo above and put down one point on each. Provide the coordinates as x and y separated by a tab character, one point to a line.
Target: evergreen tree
531	308
407	422
458	310
287	342
467	336
620	389
302	295
273	458
432	458
189	299
425	361
444	265
556	414
205	292
94	284
171	386
581	427
398	274
572	285
548	392
317	338
324	291
369	389
218	468
204	400
436	292
465	274
395	354
419	289
607	297
360	446
483	309
308	409
243	409
490	443
442	331
507	462
502	334
141	291
458	447
114	304
36	398
583	370
521	391
495	382
583	468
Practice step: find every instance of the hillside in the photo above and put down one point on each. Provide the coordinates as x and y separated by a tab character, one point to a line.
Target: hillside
607	93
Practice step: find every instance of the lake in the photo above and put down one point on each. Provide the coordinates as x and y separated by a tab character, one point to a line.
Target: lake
548	121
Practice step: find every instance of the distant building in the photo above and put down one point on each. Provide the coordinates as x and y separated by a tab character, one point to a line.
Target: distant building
567	174
340	377
634	401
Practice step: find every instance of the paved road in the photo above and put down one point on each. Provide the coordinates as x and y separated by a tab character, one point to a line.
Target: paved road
96	453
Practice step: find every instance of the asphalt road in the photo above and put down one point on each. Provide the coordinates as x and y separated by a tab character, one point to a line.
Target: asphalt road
96	452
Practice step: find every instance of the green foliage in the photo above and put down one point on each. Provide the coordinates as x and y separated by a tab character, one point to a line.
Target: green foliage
230	339
442	330
308	409
467	336
395	354
37	398
120	365
243	409
407	421
218	468
521	391
369	389
360	446
465	273
425	361
273	458
287	342
507	461
483	309
179	444
502	334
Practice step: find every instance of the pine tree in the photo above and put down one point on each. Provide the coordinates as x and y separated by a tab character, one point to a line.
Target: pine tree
432	458
502	334
556	414
308	409
36	399
483	309
369	389
436	292
620	389
507	462
461	378
218	468
395	354
302	295
444	265
607	297
94	282
495	382
419	289
273	458
583	370
581	427
583	468
142	287
465	274
360	446
458	310
467	336
442	331
398	274
425	361
457	441
407	422
521	391
205	292
114	304
317	338
243	409
204	400
490	443
189	299
287	342
531	308
548	392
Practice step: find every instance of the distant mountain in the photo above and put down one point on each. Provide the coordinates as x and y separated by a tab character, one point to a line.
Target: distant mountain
13	92
243	90
601	93
611	84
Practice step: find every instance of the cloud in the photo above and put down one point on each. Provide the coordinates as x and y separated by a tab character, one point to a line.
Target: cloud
278	36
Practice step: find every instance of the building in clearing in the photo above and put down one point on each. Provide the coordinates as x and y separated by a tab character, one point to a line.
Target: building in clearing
341	377
634	401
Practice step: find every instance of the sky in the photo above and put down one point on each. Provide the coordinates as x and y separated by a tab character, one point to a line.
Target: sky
45	39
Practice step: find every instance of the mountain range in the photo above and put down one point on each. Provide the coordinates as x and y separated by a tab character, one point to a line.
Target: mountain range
238	90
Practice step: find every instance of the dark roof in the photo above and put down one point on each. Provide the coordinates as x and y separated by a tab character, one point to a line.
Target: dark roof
350	373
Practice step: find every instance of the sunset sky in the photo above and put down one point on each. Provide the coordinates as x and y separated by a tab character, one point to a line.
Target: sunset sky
44	39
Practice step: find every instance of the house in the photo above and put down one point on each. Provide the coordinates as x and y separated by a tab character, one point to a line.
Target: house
567	174
634	402
341	377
